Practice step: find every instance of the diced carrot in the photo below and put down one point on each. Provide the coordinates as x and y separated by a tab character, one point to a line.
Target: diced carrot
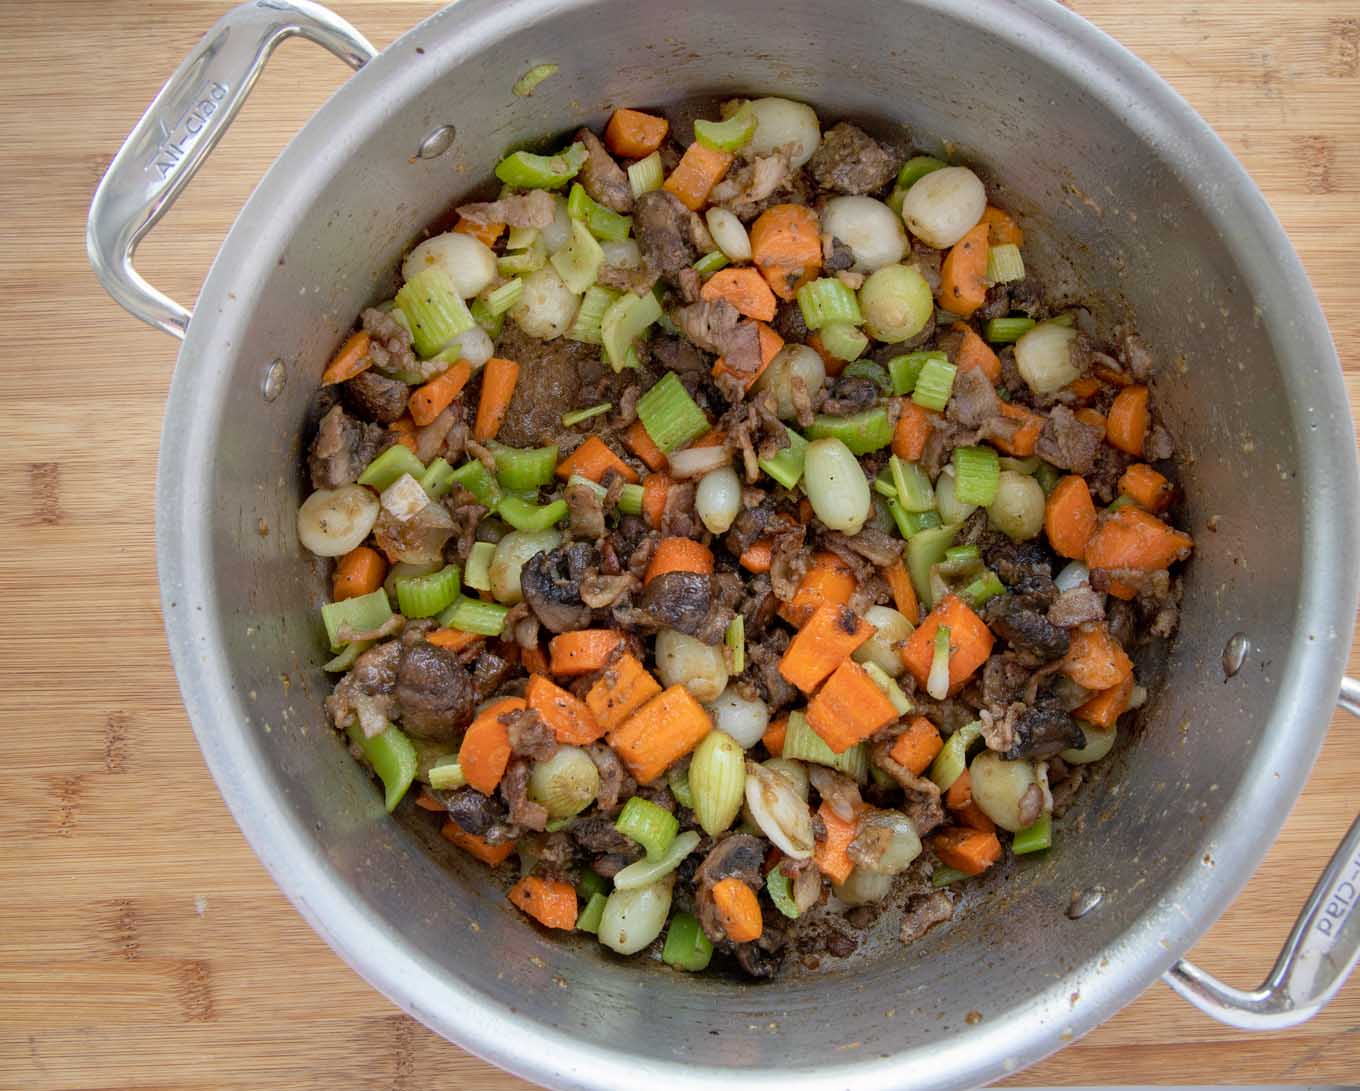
1108	705
679	555
770	344
475	846
623	687
738	910
533	660
351	360
570	720
1002	227
660	733
1121	590
832	855
969	851
829	579
758	557
849	708
640	443
822	645
699	170
1094	658
1026	437
551	902
834	364
404	428
427	802
485	751
774	736
359	572
428	401
974	352
1147	487
786	247
453	639
970	643
593	459
903	593
714	437
632	134
804	511
1132	538
582	651
916	747
1093	418
959	800
963	273
744	288
914	423
1070	517
498	388
484	233
1085	387
1127	425
654	490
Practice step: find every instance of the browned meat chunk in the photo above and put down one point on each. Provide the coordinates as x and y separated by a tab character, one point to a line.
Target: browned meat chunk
679	600
533	209
661	227
1024	629
514	789
389	343
603	179
551	582
585	513
342	448
1076	606
552	377
849	160
1068	443
434	693
375	397
753	185
1043	730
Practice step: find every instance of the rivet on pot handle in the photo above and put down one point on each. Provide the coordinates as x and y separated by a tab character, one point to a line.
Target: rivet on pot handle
1320	953
180	128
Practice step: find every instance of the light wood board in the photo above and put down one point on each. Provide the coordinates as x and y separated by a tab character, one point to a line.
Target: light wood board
142	944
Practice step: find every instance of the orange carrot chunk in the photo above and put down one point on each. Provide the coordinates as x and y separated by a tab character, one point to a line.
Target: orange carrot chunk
969	851
569	719
770	344
738	910
963	273
428	401
593	459
1070	517
485	751
973	351
744	288
914	423
654	490
832	854
660	733
829	579
699	170
476	846
452	639
679	555
1094	658
583	651
849	708
773	739
359	572
758	556
352	359
632	134
622	689
1002	227
903	593
959	800
551	902
1024	439
970	643
823	644
786	247
485	233
498	388
1131	538
1148	488
1127	424
1108	705
640	443
916	747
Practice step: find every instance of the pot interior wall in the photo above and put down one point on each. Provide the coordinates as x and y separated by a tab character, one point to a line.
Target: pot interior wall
1102	211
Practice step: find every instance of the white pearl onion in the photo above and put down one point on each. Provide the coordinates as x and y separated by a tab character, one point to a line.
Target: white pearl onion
944	206
717	499
836	486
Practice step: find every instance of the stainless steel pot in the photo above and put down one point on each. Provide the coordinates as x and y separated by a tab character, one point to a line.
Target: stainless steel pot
1127	191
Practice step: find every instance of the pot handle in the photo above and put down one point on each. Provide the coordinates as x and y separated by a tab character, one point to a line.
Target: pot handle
1317	957
182	126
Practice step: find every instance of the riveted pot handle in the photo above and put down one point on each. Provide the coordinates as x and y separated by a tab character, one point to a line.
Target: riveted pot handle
182	126
1320	953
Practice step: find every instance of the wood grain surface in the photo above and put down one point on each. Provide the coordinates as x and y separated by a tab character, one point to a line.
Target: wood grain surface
142	944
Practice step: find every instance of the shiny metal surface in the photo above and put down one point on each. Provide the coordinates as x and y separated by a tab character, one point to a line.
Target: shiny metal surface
1318	956
1126	196
182	126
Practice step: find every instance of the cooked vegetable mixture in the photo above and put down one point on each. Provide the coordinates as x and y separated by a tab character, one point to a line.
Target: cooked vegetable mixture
733	540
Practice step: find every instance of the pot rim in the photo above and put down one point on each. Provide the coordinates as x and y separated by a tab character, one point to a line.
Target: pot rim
1193	898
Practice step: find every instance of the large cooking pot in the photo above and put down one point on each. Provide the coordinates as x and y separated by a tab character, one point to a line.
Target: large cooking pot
1123	188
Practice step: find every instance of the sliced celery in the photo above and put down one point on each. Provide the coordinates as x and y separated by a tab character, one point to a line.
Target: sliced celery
843	340
524	86
729	135
393	758
502	298
952	759
686	947
360	614
780	889
577	416
1002	331
934	384
865	431
437	481
710	263
578	263
477	571
592	914
786	465
425	596
916	168
526	259
393	463
479	481
735	639
1034	838
446	777
943	876
346	658
630	500
475	616
977	474
526	515
624	322
924	550
603	223
524	469
646	174
802	743
524	170
669	414
906	369
1004	264
828	300
914	491
433	308
586	327
652	827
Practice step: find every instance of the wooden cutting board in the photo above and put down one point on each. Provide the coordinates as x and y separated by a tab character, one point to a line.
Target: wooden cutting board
142	944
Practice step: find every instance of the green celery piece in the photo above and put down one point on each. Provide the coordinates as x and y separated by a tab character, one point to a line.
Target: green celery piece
524	515
589	883
524	469
670	416
652	827
780	889
474	616
944	876
914	491
863	432
843	341
627	319
710	263
952	759
686	947
592	914
916	168
925	549
1035	838
524	170
435	311
729	135
477	572
437	481
906	369
578	263
425	596
361	613
393	758
479	481
786	466
390	465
